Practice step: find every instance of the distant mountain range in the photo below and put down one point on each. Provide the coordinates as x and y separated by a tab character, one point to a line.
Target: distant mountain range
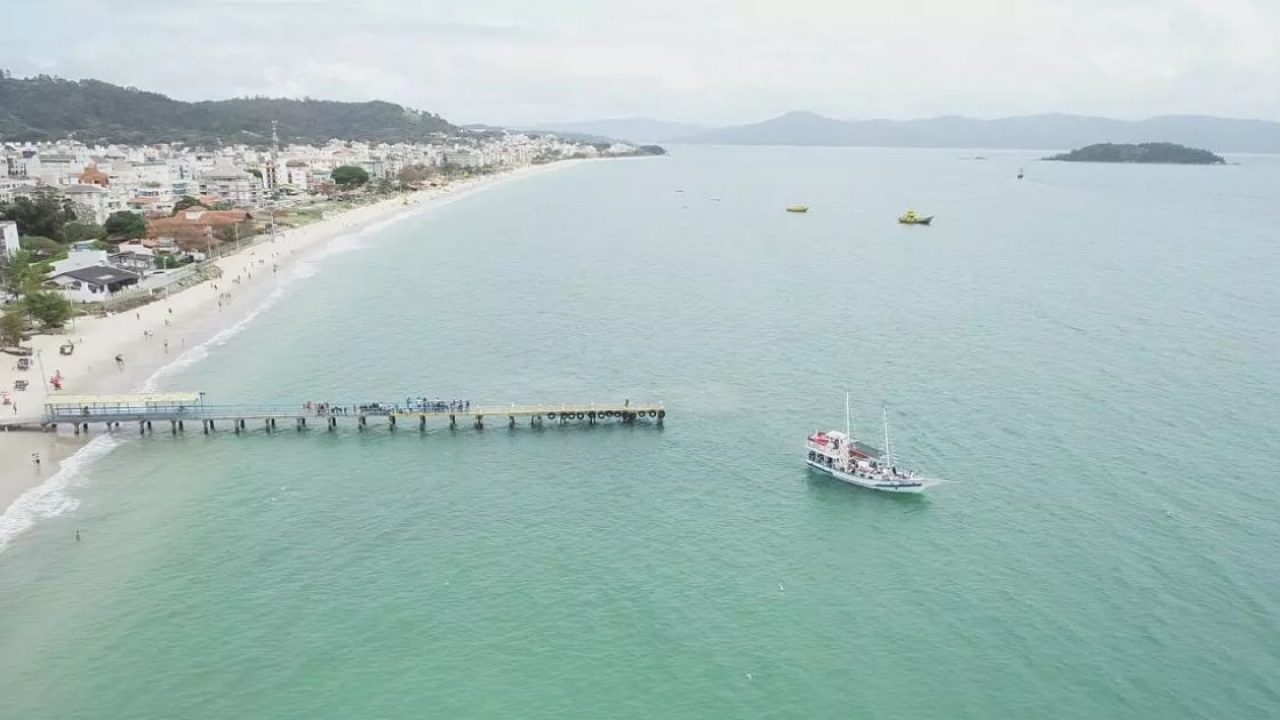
1039	132
47	108
639	130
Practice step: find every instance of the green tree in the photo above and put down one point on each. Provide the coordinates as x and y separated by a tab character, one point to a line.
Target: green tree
74	232
41	246
44	213
123	223
350	176
256	173
187	202
49	308
17	272
12	324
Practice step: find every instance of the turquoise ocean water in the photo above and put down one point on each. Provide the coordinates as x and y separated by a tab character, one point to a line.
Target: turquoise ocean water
1089	355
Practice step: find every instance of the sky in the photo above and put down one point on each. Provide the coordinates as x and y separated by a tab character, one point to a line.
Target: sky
522	62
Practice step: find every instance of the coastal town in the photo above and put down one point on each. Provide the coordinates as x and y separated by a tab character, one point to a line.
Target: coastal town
97	223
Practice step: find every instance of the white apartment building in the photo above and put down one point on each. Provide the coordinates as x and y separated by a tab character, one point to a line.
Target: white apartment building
232	184
97	203
9	244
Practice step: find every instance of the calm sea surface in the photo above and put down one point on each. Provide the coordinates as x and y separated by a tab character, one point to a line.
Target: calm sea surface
1090	355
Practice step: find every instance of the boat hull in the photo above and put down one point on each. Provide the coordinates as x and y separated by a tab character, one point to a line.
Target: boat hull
878	485
920	221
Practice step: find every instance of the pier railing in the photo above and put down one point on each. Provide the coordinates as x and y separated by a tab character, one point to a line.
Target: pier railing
180	409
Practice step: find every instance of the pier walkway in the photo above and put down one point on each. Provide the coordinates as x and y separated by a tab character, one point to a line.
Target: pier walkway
184	409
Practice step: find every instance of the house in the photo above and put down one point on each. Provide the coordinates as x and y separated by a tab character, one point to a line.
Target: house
96	202
135	262
94	283
79	257
9	245
7	186
295	175
93	176
196	228
233	185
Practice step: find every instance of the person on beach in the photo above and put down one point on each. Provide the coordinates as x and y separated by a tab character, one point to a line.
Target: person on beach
166	347
77	536
35	459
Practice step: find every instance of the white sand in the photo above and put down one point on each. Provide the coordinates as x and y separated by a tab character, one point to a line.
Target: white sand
154	336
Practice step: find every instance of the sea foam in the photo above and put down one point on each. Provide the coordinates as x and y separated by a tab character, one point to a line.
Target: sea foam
52	497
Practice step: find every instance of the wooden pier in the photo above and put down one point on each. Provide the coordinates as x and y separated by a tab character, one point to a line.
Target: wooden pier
188	410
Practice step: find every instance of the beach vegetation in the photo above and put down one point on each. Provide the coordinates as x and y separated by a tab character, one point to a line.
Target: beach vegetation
242	230
48	308
350	176
169	262
13	323
126	224
414	175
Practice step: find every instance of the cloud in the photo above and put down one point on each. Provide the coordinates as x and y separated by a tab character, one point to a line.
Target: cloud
513	61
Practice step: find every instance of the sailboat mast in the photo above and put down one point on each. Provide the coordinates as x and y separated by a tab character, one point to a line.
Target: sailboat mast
848	424
888	451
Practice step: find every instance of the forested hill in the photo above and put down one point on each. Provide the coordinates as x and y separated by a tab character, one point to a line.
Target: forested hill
46	108
1142	153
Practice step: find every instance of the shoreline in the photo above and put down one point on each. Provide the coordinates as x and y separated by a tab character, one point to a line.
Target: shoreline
169	335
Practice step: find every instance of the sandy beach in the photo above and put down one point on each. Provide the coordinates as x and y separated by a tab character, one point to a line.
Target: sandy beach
164	335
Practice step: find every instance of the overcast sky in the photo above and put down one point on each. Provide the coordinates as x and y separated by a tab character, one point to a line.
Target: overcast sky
523	61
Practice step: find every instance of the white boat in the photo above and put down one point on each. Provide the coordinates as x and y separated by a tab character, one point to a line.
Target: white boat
839	455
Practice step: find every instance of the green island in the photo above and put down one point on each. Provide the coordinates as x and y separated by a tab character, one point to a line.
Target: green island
1159	152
